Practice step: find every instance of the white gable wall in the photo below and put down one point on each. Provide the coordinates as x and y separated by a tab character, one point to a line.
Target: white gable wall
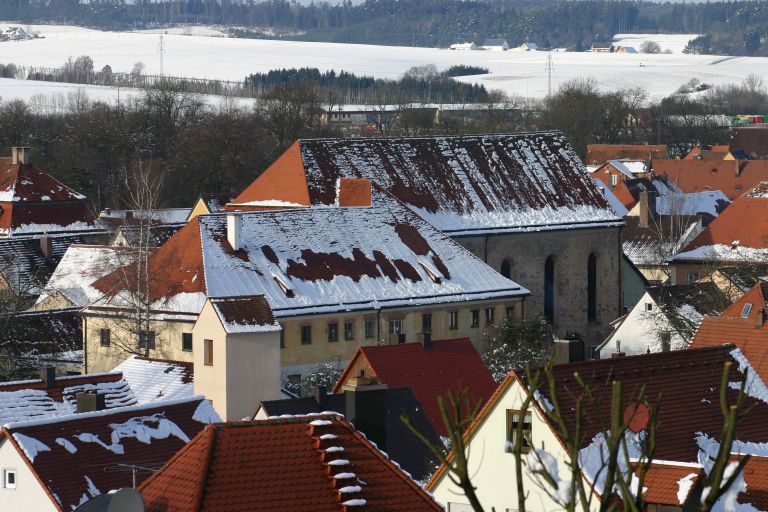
28	495
493	470
639	331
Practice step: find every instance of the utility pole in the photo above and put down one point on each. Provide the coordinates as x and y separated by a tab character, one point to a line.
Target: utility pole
161	51
549	70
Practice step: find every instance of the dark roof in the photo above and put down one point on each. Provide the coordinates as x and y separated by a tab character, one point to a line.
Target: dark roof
401	444
752	141
598	154
157	236
705	299
449	365
243	313
33	338
215	202
90	453
283	465
653	244
461	185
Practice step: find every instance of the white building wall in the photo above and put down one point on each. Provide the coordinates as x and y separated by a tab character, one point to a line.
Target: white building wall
493	470
29	495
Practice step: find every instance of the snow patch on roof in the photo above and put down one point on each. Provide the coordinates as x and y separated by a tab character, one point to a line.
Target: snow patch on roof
205	413
153	380
720	252
30	446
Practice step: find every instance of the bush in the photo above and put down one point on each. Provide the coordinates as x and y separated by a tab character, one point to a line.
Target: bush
650	47
462	70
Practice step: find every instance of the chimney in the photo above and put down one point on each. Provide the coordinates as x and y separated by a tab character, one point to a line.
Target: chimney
48	376
20	155
366	408
320	394
647	208
234	226
128	214
353	192
760	318
91	401
46	247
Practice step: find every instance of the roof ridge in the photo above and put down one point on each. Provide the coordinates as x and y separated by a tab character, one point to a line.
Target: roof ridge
341	478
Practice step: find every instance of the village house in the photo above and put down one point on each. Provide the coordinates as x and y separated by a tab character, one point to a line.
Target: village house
283	464
375	410
55	464
368	271
664	319
614	171
522	203
602	47
687	432
734	282
732	177
209	203
736	238
711	153
498	45
752	141
599	154
464	46
431	369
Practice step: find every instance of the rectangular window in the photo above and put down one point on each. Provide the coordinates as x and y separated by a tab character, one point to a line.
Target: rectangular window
614	180
693	277
510	312
9	478
649	306
186	341
104	337
514	417
208	352
369	328
306	334
475	318
333	331
395	327
489	316
453	319
147	339
349	330
426	322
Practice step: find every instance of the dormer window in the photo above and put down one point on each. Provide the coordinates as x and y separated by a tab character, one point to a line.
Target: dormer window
435	275
283	284
746	310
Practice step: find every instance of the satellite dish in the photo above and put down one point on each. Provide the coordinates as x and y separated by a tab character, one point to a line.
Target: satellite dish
123	500
638	416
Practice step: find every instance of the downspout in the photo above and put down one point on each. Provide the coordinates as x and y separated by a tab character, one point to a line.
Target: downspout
85	345
486	248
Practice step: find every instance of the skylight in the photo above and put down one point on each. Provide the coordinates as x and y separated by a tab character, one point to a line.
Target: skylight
283	284
746	310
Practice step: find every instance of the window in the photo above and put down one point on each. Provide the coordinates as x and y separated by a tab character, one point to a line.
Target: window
453	319
614	180
746	310
369	328
104	337
9	478
514	417
510	312
665	337
395	327
426	322
186	341
692	277
349	330
475	318
506	268
592	288
306	334
549	290
333	331
489	316
147	339
208	352
649	306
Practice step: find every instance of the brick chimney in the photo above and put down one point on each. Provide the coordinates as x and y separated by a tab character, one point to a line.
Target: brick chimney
48	376
91	401
20	155
46	247
353	192
320	394
366	408
647	206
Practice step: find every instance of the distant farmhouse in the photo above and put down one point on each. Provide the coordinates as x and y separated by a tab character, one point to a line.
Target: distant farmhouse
464	46
499	45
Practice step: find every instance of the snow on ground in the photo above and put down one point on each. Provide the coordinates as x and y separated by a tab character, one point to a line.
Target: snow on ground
675	43
520	73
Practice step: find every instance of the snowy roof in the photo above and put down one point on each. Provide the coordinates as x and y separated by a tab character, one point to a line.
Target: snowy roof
284	465
706	204
617	206
245	314
629	168
689	303
79	268
154	380
495	42
598	154
37	338
82	456
154	235
35	202
653	244
461	185
34	400
310	260
162	216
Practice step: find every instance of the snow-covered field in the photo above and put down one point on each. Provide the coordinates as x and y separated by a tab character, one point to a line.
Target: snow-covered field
674	43
521	73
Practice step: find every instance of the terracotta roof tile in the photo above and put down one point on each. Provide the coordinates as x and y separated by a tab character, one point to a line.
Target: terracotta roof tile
756	477
663	482
598	154
100	447
354	192
732	177
450	365
247	312
282	465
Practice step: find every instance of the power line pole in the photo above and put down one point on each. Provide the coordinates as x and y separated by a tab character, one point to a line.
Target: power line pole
161	51
549	70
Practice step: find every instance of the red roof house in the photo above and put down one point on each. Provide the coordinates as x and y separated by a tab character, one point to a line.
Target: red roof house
445	366
732	177
64	462
598	154
33	202
317	463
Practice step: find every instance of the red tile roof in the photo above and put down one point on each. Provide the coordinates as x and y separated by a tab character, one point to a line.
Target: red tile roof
663	483
756	477
743	221
751	140
354	192
32	201
236	313
732	177
598	154
91	453
450	365
282	465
